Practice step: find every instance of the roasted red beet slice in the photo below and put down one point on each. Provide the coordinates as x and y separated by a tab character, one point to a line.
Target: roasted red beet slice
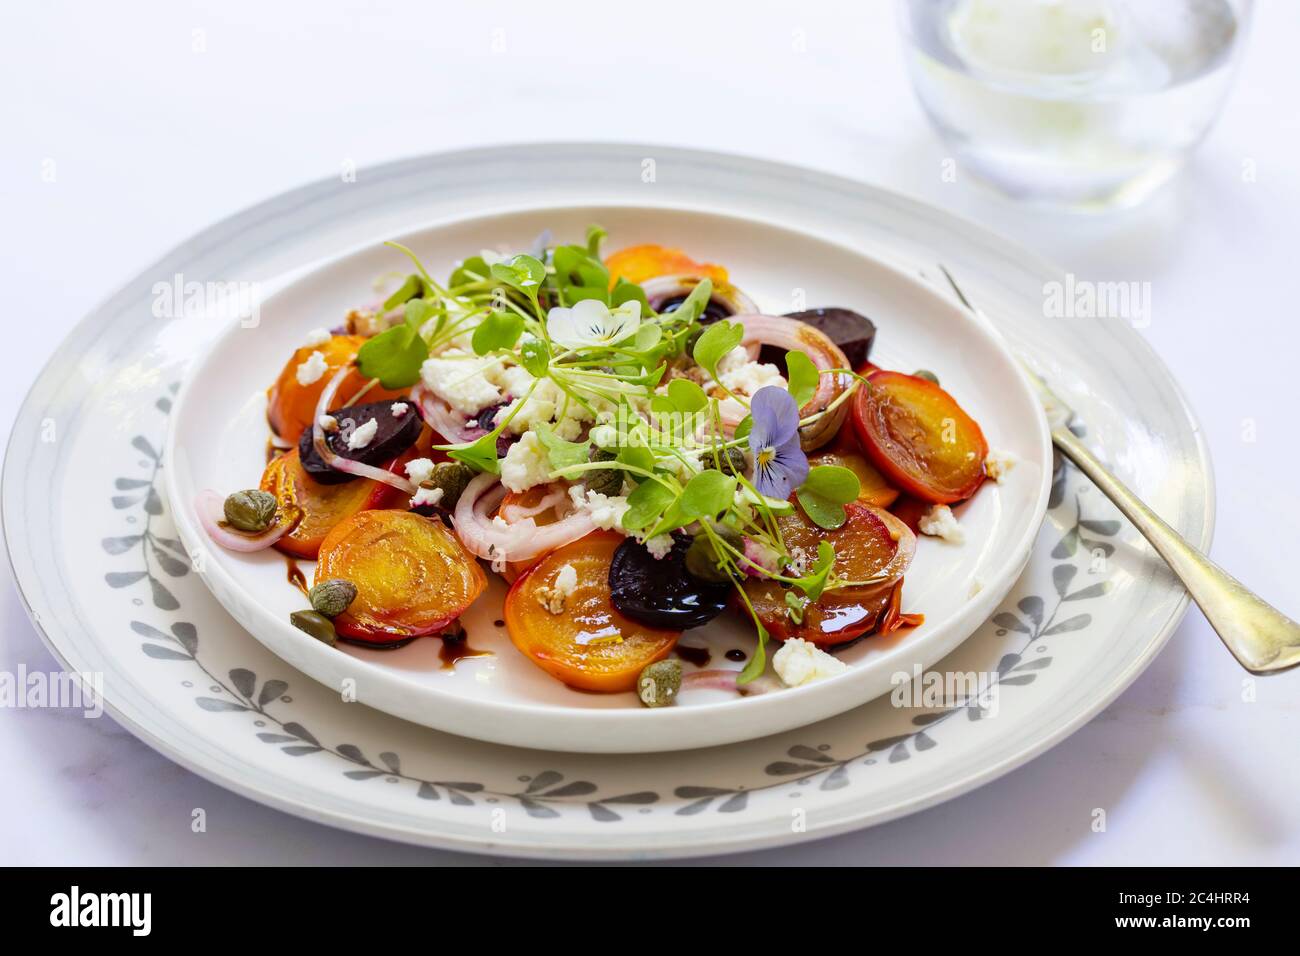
852	332
660	592
393	436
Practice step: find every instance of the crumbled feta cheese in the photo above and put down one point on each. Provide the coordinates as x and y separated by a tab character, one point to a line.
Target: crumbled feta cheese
526	464
733	360
537	408
566	579
604	436
312	368
462	380
316	337
939	521
552	598
569	429
750	377
426	496
998	463
605	511
328	423
399	409
798	663
419	470
362	435
515	380
659	546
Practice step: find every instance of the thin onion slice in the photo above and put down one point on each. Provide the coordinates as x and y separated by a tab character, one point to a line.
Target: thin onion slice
517	512
788	334
662	288
721	679
520	540
338	462
211	508
439	416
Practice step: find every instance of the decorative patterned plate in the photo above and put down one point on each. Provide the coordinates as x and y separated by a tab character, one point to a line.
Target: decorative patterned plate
111	589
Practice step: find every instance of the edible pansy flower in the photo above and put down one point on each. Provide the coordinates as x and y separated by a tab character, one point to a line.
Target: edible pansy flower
593	324
780	465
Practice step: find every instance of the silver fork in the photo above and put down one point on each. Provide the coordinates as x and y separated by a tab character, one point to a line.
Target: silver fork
1260	637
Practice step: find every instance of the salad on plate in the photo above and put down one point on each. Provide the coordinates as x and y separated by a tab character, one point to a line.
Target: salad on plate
630	443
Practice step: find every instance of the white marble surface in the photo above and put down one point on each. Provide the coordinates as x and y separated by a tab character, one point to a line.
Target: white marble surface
153	141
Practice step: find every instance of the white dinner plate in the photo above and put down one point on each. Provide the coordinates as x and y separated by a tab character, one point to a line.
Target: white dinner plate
218	439
100	566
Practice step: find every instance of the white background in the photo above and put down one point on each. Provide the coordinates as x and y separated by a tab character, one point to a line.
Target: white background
152	141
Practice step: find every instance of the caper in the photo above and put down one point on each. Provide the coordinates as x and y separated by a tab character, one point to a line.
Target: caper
605	481
331	598
702	559
659	683
451	477
251	510
732	461
315	624
926	374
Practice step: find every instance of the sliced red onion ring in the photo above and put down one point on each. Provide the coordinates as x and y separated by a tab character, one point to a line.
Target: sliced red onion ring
440	417
790	334
212	515
519	540
338	462
516	512
662	288
721	679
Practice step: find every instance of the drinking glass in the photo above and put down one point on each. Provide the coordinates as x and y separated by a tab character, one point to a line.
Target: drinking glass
1083	103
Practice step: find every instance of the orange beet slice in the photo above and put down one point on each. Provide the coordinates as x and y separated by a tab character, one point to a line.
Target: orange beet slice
321	506
638	263
291	406
919	437
412	575
865	546
873	489
588	645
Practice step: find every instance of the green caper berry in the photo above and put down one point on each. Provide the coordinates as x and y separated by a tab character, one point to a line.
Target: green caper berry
315	624
605	481
731	459
926	374
659	683
331	598
452	477
251	510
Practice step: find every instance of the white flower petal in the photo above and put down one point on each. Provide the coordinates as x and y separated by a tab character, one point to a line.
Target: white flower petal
591	324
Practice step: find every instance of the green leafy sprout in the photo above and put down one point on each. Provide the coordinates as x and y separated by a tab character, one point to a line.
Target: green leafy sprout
669	445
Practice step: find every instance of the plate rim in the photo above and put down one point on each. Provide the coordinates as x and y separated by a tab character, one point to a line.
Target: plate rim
965	621
970	229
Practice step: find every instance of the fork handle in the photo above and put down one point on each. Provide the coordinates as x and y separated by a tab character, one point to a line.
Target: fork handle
1262	638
